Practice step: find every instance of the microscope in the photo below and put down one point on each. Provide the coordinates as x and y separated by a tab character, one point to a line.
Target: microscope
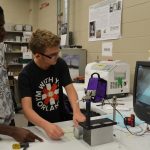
98	131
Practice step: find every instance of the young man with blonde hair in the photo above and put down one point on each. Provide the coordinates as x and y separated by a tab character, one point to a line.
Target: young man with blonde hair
41	82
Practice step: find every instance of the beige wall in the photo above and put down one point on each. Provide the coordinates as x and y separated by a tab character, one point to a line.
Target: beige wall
20	11
33	13
16	11
47	17
29	12
133	45
135	41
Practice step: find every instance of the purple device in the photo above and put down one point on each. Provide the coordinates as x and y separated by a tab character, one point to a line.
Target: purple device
98	85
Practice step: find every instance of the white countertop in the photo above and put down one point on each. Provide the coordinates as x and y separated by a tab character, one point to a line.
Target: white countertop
123	140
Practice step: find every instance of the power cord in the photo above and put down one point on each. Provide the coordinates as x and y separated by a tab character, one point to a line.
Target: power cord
141	133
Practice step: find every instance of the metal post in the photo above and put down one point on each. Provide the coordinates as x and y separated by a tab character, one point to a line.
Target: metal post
58	16
88	112
114	104
66	18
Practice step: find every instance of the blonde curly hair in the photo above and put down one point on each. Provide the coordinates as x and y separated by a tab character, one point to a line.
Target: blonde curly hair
43	39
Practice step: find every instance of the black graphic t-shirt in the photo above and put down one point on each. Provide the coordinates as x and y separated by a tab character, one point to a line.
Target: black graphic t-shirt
45	88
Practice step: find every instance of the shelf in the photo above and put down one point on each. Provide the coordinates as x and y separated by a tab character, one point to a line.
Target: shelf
18	52
15	42
15	64
14	32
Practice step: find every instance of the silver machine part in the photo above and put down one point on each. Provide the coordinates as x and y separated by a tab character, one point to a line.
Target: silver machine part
98	136
78	132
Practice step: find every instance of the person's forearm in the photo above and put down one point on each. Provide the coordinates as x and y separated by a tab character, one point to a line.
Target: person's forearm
33	117
30	114
6	130
75	105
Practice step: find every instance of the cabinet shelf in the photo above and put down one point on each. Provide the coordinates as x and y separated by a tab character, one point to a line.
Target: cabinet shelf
13	52
15	42
15	64
14	32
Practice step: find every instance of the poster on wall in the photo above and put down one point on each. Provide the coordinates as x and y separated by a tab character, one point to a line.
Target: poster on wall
105	20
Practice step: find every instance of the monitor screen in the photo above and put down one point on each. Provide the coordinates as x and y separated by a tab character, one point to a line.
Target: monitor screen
143	85
141	90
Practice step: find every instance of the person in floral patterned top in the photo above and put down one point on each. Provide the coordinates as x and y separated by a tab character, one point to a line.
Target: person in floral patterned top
6	104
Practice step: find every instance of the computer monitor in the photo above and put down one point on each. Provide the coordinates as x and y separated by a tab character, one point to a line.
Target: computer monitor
141	90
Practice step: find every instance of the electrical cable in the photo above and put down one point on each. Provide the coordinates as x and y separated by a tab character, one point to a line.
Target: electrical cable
137	133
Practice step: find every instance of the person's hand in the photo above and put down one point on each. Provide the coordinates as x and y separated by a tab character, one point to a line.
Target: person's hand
78	117
24	135
54	131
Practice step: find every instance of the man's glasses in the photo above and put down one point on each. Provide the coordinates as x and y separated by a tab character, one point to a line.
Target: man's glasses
50	56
